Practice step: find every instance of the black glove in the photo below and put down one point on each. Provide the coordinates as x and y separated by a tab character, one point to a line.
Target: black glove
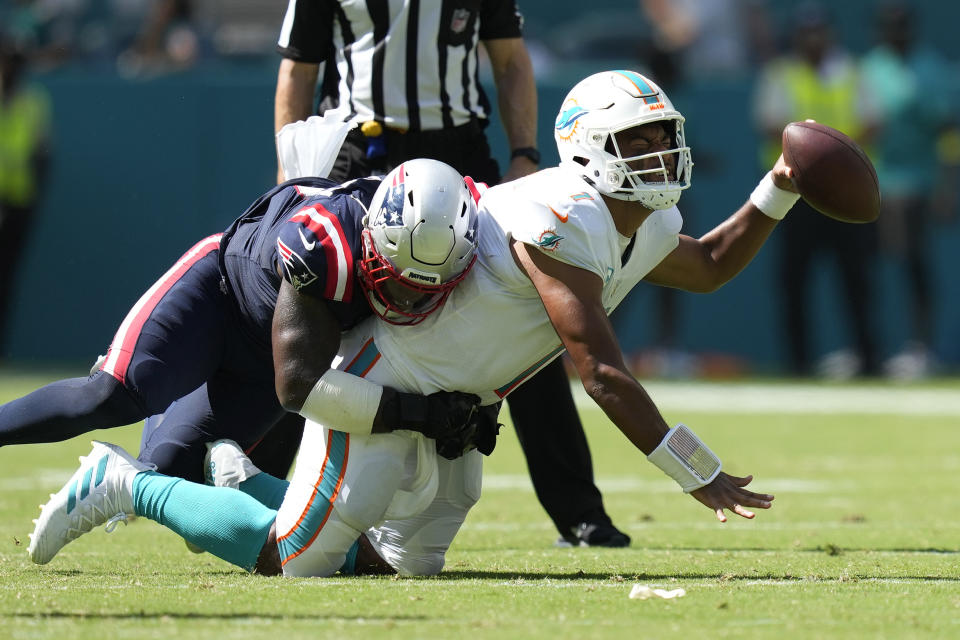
479	433
438	415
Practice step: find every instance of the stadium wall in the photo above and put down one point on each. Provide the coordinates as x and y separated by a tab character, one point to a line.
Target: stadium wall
143	169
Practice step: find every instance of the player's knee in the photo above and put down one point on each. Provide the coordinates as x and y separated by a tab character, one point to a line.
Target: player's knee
111	400
317	556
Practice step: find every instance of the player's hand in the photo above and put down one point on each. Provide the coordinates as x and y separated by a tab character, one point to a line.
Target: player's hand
480	433
436	416
728	492
783	176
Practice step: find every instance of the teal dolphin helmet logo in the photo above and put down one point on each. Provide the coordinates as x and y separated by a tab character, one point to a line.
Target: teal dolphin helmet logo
567	120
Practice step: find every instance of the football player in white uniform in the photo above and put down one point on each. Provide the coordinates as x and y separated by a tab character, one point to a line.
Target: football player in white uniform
558	250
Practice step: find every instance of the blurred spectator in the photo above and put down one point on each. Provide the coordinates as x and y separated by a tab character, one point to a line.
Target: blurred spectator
691	38
701	37
24	148
819	80
167	40
912	82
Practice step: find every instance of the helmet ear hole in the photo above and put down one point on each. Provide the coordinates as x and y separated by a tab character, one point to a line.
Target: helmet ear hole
410	197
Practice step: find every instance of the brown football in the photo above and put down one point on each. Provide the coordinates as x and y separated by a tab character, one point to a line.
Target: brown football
832	173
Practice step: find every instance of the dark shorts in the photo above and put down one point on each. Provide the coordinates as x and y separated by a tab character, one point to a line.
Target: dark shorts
465	148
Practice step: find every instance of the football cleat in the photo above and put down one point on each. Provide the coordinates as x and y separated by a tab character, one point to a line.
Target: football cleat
594	534
100	491
226	465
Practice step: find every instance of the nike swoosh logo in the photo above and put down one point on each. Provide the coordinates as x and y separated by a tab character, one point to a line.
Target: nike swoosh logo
561	218
306	245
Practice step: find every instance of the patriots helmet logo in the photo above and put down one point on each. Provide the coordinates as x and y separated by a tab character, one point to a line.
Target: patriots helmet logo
298	273
391	211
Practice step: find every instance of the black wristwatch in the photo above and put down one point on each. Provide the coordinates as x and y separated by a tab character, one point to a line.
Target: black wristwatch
530	153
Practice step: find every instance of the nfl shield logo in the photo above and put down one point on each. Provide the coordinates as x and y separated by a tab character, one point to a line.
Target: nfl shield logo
459	21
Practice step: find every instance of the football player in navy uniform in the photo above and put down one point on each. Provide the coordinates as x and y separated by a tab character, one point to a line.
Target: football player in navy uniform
243	328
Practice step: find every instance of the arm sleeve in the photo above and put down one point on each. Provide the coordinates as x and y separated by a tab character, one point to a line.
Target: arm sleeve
307	31
500	19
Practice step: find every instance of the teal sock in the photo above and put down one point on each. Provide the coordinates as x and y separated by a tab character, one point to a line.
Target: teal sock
268	490
229	524
349	567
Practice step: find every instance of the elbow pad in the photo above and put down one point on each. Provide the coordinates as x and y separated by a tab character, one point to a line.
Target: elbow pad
343	402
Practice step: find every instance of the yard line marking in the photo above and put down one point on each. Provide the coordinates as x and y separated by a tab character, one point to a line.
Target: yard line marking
801	398
663	525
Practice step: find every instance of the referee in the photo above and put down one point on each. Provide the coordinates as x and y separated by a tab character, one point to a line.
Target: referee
408	77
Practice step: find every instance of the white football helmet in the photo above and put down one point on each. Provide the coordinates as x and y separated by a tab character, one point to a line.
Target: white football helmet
609	102
419	240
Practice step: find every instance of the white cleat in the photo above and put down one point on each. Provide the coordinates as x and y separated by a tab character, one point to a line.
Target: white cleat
226	465
101	490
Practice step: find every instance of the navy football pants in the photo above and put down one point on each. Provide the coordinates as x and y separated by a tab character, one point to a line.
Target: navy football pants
182	341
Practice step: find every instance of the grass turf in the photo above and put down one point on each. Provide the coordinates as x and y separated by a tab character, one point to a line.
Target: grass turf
863	541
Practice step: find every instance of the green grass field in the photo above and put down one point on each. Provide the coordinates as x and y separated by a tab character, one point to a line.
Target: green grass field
863	540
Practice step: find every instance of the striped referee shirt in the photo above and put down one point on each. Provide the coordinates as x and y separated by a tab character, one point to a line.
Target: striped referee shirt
411	64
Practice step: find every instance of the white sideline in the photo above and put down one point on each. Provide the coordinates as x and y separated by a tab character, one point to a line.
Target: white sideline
794	398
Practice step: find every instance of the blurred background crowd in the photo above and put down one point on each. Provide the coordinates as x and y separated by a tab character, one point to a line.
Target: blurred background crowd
130	128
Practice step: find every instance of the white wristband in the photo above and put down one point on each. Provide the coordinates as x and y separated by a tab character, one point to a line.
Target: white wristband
343	402
771	199
683	456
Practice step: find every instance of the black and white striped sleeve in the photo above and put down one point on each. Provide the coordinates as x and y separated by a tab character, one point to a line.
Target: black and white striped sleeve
500	19
307	31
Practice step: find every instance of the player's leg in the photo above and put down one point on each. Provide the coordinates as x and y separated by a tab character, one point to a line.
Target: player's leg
343	484
798	243
227	406
276	451
418	545
558	458
919	271
67	408
167	345
854	248
110	484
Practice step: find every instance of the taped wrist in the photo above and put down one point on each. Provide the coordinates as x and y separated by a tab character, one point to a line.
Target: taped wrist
343	401
685	458
773	201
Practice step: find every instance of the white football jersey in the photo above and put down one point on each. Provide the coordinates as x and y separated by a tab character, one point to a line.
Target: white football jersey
493	332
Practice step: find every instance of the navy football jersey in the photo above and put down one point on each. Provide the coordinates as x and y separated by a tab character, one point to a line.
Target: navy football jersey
306	231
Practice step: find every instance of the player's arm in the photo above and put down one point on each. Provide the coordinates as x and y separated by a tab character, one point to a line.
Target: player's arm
516	99
293	101
306	338
573	300
705	264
